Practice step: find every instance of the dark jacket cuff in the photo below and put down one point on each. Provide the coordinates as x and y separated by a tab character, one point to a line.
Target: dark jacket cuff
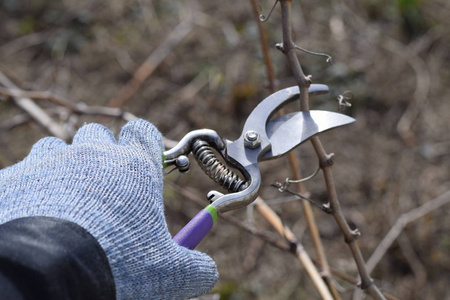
50	258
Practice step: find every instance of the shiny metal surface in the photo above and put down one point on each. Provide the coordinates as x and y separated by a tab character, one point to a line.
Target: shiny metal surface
184	146
273	139
289	131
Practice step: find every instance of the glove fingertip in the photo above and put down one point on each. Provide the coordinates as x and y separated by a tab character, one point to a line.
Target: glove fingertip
143	134
94	133
45	146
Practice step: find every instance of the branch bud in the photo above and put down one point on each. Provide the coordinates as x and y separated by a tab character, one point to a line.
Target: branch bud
327	161
280	47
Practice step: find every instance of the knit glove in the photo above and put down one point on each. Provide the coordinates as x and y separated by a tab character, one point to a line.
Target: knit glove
113	190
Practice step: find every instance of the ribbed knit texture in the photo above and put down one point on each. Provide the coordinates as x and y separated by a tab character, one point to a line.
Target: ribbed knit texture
114	190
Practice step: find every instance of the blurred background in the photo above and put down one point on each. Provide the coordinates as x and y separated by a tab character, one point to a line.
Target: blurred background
205	69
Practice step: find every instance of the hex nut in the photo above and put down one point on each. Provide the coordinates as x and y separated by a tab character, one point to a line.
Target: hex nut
252	139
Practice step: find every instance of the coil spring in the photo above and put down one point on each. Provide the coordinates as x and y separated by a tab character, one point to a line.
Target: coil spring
215	169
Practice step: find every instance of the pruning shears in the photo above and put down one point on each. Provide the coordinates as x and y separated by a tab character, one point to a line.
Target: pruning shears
263	138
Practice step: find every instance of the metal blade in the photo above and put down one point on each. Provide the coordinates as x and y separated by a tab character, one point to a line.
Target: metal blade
289	131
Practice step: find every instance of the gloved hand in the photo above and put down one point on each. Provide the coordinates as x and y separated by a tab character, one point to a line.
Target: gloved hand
113	190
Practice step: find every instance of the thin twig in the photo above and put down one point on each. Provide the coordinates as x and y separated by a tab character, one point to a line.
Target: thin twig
303	83
418	101
79	108
350	236
411	54
15	121
402	221
295	169
264	47
325	160
188	92
288	48
329	58
301	254
38	95
151	63
420	272
37	113
26	41
314	230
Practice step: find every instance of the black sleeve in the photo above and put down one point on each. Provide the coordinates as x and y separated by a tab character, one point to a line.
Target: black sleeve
49	258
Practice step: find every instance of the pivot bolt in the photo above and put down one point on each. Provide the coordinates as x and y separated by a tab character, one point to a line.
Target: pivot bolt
252	139
182	163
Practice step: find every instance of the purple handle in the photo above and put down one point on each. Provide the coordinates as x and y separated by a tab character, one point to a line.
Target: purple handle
197	228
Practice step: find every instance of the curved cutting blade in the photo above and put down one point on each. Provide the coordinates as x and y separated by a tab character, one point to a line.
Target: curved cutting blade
288	131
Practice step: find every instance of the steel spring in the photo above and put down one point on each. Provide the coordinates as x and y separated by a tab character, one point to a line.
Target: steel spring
215	169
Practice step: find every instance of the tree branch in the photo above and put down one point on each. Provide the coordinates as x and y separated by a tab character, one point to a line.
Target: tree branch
79	108
325	160
37	113
300	252
402	221
288	48
151	63
293	160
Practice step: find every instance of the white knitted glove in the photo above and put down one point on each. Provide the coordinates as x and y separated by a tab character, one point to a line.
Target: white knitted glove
114	190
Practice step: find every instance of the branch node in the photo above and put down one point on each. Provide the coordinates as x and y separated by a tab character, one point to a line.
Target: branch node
365	284
327	161
344	99
327	208
293	246
280	46
354	235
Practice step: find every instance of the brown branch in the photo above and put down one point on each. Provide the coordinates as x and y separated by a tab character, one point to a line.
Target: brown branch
419	270
37	113
300	252
325	160
402	221
350	236
264	47
79	108
288	48
295	170
410	54
423	85
313	229
15	121
26	41
151	63
188	92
